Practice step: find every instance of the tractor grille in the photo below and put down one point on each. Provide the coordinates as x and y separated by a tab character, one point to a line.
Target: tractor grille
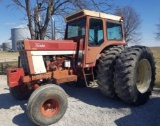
23	56
20	45
24	61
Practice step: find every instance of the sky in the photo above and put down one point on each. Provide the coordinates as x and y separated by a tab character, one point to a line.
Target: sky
147	9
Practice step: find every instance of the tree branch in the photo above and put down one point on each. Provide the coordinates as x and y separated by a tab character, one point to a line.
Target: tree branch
28	10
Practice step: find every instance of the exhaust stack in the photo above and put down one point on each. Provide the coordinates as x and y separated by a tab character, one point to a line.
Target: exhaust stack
53	28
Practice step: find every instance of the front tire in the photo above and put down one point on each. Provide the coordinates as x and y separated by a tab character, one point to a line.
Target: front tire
47	105
135	75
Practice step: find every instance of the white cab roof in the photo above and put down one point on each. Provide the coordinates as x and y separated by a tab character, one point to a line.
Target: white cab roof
92	13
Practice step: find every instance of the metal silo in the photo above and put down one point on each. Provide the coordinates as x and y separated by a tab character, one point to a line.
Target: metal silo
7	46
19	33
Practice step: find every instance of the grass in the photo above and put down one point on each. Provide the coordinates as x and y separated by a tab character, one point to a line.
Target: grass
11	63
8	59
5	65
14	55
6	55
156	54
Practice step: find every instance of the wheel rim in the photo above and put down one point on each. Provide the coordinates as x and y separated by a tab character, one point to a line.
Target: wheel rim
50	107
144	75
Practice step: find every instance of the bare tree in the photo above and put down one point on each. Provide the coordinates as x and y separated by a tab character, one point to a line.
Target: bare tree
132	24
157	33
47	8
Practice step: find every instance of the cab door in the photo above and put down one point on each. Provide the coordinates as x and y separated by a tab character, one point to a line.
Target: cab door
94	40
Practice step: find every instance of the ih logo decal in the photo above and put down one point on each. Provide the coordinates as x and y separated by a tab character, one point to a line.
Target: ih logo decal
39	45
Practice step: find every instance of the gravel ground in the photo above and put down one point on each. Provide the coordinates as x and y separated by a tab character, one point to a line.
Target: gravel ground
86	107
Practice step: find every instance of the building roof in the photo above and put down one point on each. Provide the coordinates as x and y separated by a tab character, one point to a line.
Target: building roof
82	13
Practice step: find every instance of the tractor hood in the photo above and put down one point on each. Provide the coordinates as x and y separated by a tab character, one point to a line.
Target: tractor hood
47	45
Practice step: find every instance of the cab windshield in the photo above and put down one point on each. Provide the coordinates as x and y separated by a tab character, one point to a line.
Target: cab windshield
76	29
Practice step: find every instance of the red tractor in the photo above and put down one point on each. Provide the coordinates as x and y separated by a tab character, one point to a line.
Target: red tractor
93	48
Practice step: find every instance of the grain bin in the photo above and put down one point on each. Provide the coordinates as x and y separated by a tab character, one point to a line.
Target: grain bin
7	46
19	33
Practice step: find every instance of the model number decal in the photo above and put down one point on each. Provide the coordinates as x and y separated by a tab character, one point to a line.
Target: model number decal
39	45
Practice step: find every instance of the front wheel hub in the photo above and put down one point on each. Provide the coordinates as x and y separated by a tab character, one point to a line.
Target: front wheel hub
50	107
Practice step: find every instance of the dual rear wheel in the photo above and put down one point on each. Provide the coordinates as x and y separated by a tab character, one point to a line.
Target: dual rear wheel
129	76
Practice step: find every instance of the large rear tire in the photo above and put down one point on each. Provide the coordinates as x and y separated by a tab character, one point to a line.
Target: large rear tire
47	105
135	75
105	70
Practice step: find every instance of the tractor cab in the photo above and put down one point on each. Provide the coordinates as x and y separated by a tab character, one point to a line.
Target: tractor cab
96	31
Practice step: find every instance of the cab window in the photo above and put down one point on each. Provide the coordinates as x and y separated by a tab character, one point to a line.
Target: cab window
114	31
76	29
95	37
